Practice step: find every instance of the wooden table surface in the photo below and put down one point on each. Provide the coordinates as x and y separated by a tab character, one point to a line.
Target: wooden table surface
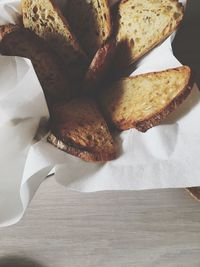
107	229
111	229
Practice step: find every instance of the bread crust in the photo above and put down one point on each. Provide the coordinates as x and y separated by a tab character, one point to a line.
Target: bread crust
148	123
80	152
79	129
109	23
155	119
100	65
7	29
194	192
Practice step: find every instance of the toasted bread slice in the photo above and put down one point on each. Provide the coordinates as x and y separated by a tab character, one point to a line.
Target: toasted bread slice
100	66
91	23
79	129
143	101
46	20
17	41
143	24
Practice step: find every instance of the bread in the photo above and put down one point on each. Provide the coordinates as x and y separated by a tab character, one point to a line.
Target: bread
143	101
17	41
79	129
46	20
194	192
100	66
143	24
91	23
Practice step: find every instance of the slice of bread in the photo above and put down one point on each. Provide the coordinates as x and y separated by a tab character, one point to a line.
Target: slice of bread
143	24
145	100
17	41
78	128
46	20
100	66
91	23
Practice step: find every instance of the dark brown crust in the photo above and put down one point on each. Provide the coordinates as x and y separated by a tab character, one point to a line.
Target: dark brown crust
100	65
73	122
7	29
108	24
109	17
194	192
81	153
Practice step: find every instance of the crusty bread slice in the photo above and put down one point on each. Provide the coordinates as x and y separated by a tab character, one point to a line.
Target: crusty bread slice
79	129
91	23
100	66
46	20
143	24
143	101
17	41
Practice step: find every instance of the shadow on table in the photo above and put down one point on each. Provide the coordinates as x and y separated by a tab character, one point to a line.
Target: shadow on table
17	261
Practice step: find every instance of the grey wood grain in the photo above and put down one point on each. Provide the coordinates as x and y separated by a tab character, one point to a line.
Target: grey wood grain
109	229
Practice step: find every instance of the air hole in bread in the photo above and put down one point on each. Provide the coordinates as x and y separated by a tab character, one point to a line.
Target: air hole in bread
34	19
35	9
176	15
43	16
169	8
89	137
42	23
49	29
51	17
